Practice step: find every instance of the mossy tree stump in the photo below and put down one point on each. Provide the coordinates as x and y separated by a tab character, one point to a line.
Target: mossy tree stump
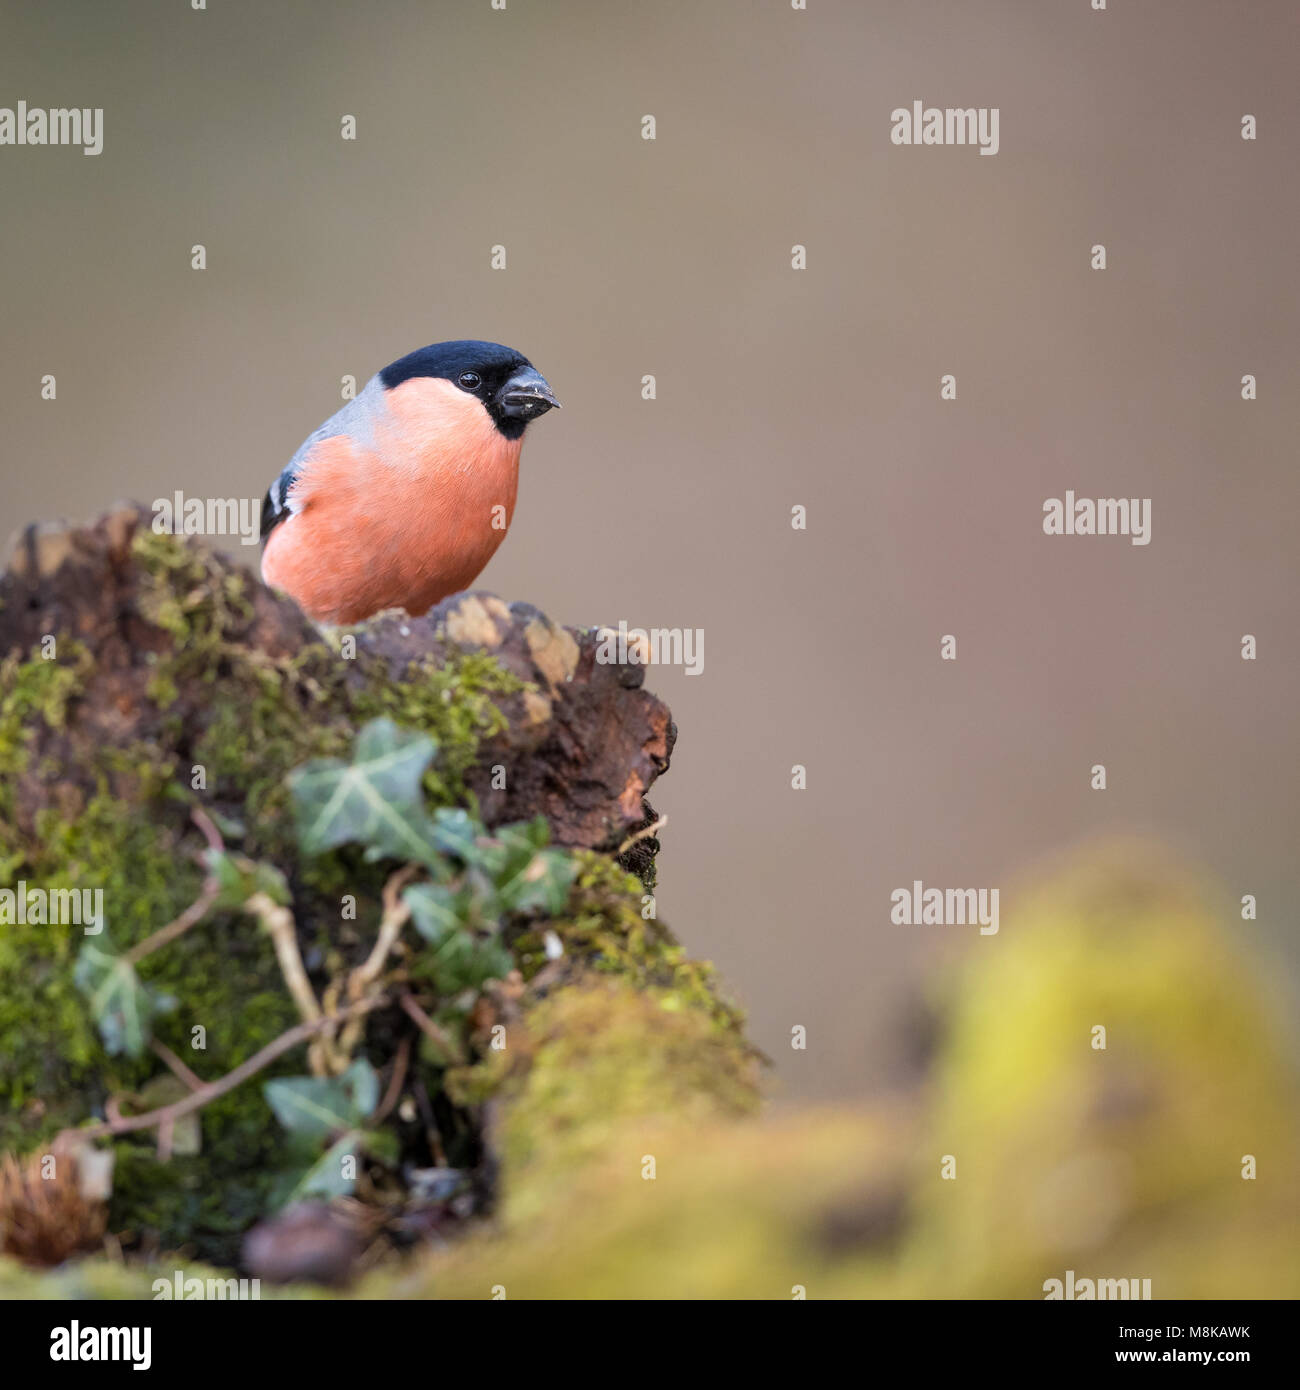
144	677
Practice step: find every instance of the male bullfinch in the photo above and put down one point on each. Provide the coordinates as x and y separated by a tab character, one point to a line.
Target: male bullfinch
402	497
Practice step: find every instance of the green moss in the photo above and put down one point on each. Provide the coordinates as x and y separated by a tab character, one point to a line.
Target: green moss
125	832
603	931
37	1002
123	827
604	927
103	1278
269	715
455	703
162	690
599	1075
53	1069
189	597
637	1055
48	1046
1064	1143
223	972
37	689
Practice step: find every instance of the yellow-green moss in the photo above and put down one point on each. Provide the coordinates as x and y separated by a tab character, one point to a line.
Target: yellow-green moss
30	690
605	927
103	1278
796	1205
223	972
190	598
607	1050
268	715
455	703
129	837
624	1172
1124	1160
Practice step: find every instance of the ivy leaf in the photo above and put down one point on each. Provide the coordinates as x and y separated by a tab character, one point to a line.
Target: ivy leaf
438	1054
122	1006
527	835
230	826
455	832
317	1107
187	1132
509	855
238	878
381	1144
325	1177
437	910
377	799
536	880
491	961
463	961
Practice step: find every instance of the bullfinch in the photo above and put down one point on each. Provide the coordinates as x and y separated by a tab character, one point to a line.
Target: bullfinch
403	496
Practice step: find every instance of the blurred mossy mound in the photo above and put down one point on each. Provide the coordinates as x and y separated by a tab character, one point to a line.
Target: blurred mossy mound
1125	1161
632	1166
632	1172
1119	1163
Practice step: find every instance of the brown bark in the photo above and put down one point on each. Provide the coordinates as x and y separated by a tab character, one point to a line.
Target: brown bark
582	746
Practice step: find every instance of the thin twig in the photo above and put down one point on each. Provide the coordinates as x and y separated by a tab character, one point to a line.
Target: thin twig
643	834
192	916
211	1090
176	1066
322	1056
278	922
196	911
431	1133
205	824
430	1028
396	915
394	1085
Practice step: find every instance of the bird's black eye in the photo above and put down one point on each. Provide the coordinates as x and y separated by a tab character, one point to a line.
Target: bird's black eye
471	381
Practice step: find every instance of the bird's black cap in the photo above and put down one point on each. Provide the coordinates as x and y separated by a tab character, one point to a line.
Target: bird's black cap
512	390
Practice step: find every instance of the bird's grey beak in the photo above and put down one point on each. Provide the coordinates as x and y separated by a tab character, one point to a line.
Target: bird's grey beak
526	395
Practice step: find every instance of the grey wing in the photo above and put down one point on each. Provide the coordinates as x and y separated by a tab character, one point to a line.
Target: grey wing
275	505
353	419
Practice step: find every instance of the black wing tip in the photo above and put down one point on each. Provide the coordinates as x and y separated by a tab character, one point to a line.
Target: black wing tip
272	513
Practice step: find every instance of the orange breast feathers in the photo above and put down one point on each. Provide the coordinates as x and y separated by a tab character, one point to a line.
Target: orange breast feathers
401	518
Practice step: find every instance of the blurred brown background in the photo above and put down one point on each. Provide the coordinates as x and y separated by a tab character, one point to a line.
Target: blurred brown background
672	258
